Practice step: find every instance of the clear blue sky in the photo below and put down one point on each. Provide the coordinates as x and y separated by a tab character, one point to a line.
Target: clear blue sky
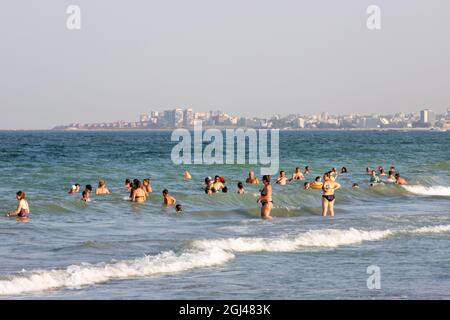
246	57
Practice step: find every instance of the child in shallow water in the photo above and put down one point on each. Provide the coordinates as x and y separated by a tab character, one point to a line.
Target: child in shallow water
23	209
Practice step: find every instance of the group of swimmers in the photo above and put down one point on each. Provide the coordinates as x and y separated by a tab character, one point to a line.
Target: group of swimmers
139	191
329	186
392	176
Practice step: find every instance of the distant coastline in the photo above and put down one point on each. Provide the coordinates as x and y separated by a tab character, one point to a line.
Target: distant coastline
281	129
224	128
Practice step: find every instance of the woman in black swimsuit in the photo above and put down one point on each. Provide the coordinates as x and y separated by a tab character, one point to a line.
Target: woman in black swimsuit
139	194
266	199
328	199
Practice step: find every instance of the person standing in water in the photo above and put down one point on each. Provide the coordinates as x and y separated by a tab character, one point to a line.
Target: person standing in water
128	185
208	186
88	188
333	174
85	196
297	175
282	179
240	187
147	186
23	209
374	179
328	199
187	175
102	189
266	199
168	199
75	188
391	177
139	194
400	180
217	185
251	178
307	171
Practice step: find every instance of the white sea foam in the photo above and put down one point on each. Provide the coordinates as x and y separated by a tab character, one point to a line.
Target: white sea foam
85	274
327	238
201	254
429	191
432	229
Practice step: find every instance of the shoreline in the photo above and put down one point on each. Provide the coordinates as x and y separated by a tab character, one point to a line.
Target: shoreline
233	128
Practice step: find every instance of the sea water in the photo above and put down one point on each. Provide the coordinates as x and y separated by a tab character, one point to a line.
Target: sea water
219	248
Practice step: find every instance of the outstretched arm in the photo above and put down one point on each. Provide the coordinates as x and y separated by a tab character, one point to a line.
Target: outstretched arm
16	212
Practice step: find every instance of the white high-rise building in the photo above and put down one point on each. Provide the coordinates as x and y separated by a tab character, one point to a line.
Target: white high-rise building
427	116
300	123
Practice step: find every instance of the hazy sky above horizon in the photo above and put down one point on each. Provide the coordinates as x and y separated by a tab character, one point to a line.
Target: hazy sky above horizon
245	57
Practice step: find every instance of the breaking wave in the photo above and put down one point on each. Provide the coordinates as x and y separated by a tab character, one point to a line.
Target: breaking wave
198	254
429	191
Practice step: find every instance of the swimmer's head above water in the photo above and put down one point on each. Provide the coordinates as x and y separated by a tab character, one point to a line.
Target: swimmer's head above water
75	188
85	196
137	184
240	187
20	195
101	183
187	175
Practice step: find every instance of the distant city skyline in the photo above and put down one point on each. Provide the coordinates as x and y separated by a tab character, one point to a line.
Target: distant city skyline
251	58
185	118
